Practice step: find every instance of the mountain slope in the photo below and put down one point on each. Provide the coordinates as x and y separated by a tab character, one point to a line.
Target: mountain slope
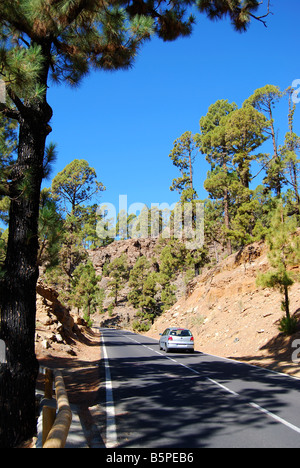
231	317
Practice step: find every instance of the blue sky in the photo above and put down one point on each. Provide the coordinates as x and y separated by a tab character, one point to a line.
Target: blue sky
124	123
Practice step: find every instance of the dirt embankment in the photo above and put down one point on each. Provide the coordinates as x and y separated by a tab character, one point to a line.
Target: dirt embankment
63	341
231	317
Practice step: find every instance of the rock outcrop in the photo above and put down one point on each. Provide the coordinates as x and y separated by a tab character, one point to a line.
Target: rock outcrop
132	248
55	324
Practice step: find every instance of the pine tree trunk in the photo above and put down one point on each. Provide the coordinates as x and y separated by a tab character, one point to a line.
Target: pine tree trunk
191	170
18	287
291	146
287	302
226	213
277	160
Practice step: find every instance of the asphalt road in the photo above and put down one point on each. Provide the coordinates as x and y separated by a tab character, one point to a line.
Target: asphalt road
158	400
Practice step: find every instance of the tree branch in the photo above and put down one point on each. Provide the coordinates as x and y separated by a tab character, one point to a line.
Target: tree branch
74	12
10	113
17	101
260	18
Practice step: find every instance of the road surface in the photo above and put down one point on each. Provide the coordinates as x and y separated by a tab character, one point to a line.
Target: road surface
158	400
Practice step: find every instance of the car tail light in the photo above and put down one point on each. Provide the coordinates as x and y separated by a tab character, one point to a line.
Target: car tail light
170	338
192	338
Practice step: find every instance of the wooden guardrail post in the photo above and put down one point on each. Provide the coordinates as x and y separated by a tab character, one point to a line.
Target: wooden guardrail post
49	415
48	383
58	433
49	412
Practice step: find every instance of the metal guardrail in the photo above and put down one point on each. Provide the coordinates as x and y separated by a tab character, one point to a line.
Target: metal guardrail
56	420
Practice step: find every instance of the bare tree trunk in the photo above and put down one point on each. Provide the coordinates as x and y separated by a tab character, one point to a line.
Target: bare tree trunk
287	302
226	213
18	287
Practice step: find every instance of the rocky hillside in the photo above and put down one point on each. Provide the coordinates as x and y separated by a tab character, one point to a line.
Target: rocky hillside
57	330
231	317
132	248
124	313
227	313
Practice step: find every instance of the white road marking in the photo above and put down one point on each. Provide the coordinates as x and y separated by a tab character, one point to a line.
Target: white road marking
277	418
111	430
222	386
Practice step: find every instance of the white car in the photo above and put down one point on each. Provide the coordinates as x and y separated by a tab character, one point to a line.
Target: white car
176	338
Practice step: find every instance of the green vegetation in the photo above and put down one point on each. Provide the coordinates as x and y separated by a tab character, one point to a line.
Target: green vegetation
284	244
238	211
67	230
118	272
86	293
76	184
183	157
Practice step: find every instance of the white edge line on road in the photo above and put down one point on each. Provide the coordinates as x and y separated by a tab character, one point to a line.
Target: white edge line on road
111	430
277	418
266	369
260	408
222	386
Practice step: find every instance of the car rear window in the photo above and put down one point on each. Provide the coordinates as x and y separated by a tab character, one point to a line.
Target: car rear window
181	333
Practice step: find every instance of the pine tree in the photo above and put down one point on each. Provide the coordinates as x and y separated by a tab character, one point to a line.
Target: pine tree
137	277
244	134
245	224
71	253
172	261
284	252
119	273
89	218
85	289
8	146
124	224
214	225
3	246
290	153
50	231
149	223
239	12
264	100
183	157
212	143
148	302
75	184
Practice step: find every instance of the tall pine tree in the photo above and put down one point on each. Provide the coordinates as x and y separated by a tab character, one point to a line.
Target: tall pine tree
290	155
183	157
264	100
284	253
212	143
